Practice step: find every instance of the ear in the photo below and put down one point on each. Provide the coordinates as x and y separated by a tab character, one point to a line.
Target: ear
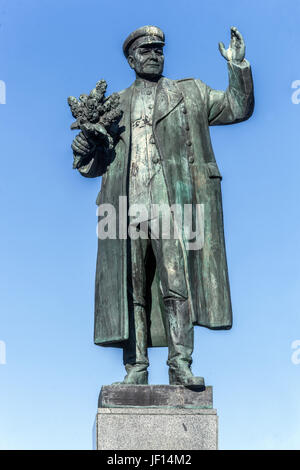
130	61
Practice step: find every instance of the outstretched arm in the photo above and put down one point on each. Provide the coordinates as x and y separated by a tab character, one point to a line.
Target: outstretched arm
236	104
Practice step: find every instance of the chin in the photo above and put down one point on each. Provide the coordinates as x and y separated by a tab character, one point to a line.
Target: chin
153	74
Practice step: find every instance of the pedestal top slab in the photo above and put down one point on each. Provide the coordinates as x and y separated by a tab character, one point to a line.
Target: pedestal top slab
154	396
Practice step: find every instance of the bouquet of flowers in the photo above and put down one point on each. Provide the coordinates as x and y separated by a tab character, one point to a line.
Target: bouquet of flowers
96	116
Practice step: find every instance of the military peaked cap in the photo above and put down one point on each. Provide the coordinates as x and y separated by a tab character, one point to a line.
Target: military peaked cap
145	35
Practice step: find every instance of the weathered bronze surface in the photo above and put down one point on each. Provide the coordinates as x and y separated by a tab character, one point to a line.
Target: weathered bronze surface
151	291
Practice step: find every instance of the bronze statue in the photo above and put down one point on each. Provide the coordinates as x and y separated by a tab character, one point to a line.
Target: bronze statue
150	290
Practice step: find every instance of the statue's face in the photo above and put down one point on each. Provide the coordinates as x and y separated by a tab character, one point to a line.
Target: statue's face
147	61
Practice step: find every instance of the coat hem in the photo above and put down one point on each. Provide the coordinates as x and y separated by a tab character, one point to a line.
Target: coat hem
214	327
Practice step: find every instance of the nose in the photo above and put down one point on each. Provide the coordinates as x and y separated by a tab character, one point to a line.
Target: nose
153	54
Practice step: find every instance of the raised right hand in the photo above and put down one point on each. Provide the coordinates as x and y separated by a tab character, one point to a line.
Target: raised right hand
236	49
82	146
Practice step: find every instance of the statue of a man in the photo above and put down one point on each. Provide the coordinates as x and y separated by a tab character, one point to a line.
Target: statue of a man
151	290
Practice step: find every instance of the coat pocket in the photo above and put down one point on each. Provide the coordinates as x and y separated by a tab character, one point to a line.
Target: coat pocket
212	170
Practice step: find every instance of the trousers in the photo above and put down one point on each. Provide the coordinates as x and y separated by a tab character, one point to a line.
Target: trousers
145	255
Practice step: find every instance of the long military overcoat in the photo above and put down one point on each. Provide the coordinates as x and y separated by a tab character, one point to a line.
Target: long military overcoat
183	112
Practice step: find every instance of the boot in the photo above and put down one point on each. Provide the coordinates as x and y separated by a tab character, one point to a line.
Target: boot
137	374
135	353
180	335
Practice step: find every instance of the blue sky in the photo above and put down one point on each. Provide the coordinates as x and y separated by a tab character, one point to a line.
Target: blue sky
53	372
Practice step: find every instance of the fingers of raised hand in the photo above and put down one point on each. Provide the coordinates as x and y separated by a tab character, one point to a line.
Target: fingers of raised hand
237	44
222	49
236	36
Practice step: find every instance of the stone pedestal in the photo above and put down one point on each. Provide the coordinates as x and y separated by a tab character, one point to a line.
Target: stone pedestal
156	417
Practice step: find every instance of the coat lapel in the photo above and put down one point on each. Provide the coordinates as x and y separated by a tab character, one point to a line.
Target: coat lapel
167	98
125	122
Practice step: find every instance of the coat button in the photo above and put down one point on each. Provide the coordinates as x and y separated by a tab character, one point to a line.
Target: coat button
150	106
155	159
191	159
187	127
152	140
189	143
184	109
